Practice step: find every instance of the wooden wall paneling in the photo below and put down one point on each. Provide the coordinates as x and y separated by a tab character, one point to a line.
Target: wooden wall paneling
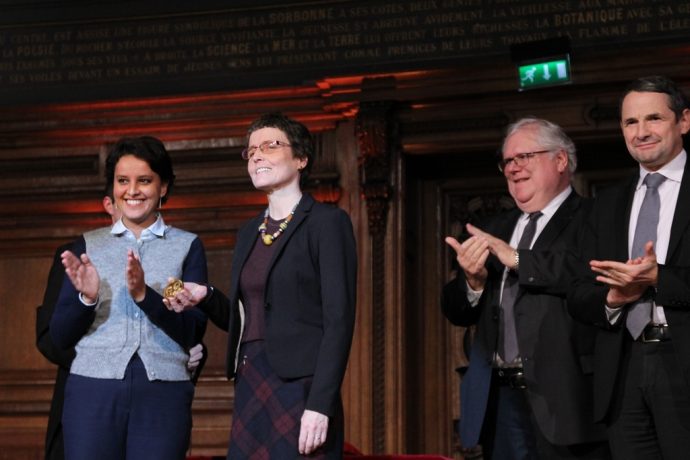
20	297
357	385
376	131
428	408
435	366
397	393
25	376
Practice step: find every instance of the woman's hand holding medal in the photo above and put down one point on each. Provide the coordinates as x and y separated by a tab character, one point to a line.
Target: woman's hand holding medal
180	296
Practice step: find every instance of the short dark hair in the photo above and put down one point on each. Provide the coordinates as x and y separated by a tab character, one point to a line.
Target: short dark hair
298	135
678	102
146	148
109	190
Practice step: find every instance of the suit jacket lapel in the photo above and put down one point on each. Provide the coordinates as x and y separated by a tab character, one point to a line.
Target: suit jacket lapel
562	217
507	225
621	216
503	229
301	212
681	215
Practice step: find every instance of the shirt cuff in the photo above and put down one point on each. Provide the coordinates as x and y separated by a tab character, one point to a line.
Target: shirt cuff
613	314
209	294
472	295
86	304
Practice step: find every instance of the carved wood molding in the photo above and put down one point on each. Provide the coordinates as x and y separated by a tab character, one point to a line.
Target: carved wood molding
376	130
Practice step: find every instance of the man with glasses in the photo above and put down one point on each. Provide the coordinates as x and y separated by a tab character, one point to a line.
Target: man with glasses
528	392
634	281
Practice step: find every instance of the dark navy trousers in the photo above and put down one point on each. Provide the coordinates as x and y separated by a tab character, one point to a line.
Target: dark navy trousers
128	419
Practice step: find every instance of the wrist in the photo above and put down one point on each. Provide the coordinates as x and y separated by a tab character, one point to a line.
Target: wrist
139	295
475	284
88	300
204	292
613	302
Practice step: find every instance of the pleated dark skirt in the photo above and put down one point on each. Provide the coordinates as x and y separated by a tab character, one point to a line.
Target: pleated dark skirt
268	409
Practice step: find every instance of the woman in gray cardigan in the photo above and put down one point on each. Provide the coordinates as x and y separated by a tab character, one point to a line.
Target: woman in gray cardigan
128	394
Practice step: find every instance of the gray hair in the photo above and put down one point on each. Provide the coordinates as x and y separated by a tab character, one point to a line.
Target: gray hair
550	135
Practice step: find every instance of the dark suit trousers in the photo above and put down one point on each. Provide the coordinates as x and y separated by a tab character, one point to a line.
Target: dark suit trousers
652	404
55	444
511	432
132	418
508	432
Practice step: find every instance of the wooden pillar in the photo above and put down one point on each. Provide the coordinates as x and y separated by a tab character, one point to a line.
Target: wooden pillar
375	130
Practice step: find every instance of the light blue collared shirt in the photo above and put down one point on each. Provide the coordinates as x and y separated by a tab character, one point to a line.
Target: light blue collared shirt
155	230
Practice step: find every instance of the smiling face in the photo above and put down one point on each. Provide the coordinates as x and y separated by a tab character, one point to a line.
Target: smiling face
652	133
273	169
544	176
137	190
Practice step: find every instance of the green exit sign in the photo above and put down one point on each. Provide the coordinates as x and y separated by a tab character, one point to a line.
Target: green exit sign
544	73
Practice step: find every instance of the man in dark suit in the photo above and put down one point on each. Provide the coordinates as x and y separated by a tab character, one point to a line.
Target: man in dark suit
634	282
54	444
527	393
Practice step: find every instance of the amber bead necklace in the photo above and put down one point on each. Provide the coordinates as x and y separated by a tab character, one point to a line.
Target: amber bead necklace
268	238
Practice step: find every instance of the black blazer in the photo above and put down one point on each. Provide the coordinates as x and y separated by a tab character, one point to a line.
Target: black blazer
54	447
606	238
556	350
309	299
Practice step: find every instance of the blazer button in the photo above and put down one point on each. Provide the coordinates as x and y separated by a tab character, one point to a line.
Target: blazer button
494	317
531	279
267	306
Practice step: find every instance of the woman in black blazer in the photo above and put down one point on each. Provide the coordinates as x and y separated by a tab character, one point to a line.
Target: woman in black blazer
291	310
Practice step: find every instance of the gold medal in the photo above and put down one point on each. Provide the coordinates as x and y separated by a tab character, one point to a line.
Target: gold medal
173	288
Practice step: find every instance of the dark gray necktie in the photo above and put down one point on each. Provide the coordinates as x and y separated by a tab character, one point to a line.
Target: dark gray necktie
507	335
640	313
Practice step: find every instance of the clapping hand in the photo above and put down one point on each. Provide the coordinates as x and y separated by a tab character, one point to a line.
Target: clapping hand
627	281
82	274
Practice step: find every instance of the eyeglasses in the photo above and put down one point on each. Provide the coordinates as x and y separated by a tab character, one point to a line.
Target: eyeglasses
264	147
520	160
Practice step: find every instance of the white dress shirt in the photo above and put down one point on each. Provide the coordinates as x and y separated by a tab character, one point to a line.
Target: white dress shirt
668	196
547	213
